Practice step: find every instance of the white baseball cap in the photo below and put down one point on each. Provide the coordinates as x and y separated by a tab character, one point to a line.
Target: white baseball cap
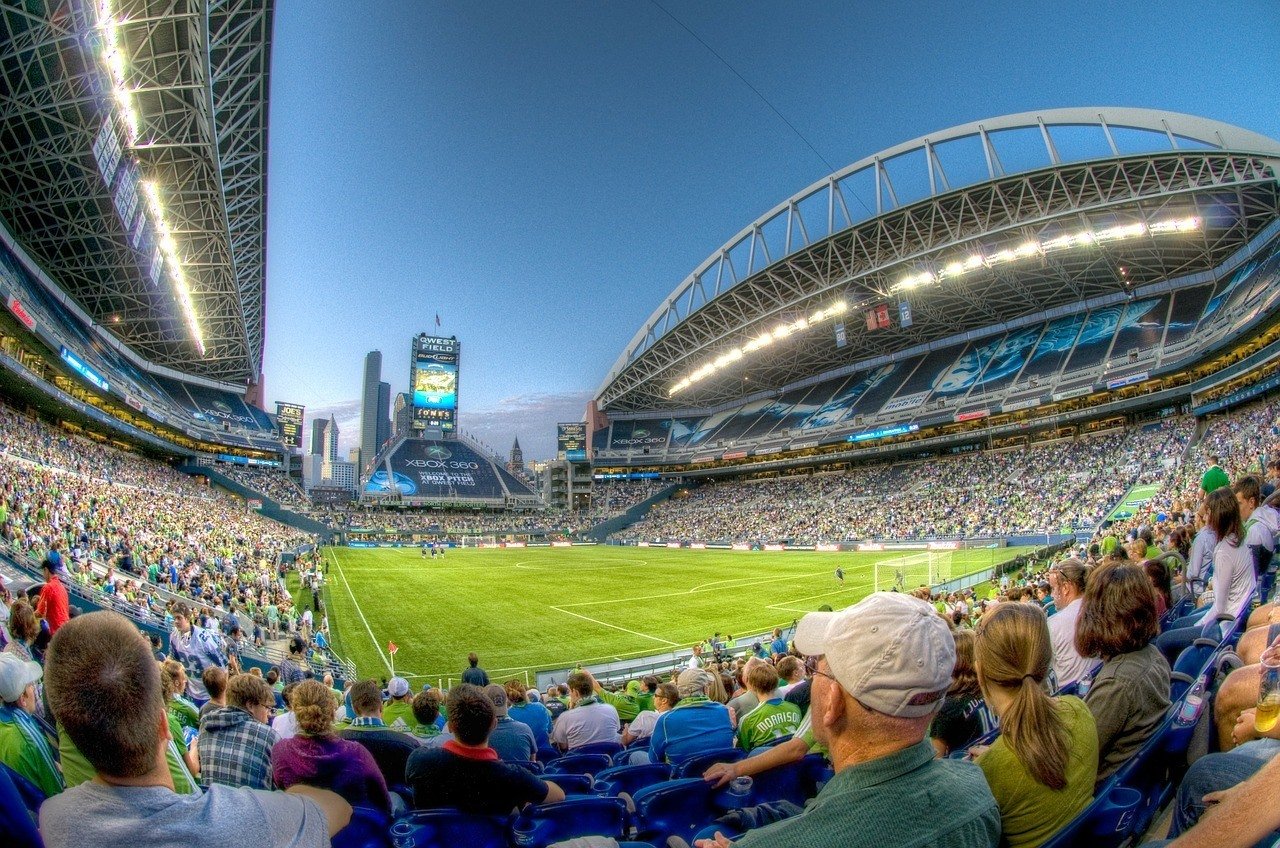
16	674
890	651
397	687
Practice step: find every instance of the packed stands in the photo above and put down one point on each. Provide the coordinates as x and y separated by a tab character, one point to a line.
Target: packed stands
272	484
1066	485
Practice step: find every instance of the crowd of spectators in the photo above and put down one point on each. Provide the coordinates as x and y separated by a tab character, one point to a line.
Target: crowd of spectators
273	484
1050	488
134	744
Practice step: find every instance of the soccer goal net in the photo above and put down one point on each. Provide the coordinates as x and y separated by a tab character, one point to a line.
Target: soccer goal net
477	541
908	570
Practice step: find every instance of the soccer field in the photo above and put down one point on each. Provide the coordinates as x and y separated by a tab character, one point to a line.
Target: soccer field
524	609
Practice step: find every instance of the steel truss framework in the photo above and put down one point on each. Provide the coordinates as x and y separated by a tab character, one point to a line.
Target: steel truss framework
199	71
1235	194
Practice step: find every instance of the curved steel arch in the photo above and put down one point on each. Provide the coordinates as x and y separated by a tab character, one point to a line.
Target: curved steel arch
719	272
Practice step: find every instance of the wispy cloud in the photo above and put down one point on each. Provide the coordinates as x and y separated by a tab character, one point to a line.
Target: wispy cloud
530	417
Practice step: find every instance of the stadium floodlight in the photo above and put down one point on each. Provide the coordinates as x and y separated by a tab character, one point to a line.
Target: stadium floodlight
1066	241
114	60
169	249
763	340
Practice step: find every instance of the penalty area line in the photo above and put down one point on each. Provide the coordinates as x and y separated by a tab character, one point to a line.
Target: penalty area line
616	627
377	647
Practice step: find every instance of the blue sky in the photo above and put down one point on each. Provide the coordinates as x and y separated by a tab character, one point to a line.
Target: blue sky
543	174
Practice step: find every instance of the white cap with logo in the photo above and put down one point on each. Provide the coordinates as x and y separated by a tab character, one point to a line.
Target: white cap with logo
16	674
397	687
890	651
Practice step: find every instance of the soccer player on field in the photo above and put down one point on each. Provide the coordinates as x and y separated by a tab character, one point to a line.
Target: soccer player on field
840	575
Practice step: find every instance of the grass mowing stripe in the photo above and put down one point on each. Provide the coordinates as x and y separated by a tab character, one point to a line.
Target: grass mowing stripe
360	612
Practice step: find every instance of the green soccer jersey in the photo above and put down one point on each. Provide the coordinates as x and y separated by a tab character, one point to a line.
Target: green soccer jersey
1213	479
768	721
625	704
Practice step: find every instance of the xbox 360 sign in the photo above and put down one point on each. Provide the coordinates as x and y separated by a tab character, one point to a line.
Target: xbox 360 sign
632	435
289	416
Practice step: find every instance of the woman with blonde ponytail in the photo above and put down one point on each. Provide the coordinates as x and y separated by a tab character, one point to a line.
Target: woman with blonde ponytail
1042	767
319	757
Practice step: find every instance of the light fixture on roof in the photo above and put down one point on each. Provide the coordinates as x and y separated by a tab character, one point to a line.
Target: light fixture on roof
114	60
1066	241
763	340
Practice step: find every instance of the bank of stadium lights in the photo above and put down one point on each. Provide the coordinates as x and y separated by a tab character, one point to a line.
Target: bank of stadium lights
760	342
1028	249
169	249
114	59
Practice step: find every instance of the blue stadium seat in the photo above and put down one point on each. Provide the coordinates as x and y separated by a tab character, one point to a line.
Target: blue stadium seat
1190	664
772	743
1148	771
578	764
694	766
368	828
796	782
527	765
573	784
606	748
537	826
449	828
675	808
630	779
547	754
18	807
1105	823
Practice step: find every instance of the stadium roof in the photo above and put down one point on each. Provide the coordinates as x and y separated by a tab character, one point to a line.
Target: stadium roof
971	227
133	144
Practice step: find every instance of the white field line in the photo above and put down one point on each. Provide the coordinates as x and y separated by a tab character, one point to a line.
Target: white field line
616	627
752	581
781	605
378	647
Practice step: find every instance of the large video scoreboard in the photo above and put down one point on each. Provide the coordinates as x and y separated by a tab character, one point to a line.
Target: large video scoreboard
433	379
571	441
289	416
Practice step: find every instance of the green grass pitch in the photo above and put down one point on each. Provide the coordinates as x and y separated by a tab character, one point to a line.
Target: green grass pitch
524	609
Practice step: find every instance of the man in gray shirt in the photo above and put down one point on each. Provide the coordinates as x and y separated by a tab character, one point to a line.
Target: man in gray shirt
589	720
98	665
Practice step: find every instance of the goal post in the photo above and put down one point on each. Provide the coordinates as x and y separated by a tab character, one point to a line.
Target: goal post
909	570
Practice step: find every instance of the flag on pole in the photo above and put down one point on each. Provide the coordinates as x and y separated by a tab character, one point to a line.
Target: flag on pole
871	319
391	647
437	319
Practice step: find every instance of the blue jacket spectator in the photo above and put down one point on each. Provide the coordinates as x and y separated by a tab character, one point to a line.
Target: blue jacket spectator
694	725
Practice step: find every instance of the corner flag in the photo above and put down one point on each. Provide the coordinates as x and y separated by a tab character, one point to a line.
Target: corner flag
391	647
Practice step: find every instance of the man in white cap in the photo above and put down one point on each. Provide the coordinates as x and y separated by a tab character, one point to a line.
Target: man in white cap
23	746
398	712
884	665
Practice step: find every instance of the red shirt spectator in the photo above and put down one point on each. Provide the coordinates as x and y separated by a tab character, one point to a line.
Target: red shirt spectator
53	605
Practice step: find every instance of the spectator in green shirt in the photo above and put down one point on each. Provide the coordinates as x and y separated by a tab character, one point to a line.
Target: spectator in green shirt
398	712
1042	767
23	746
885	665
1214	477
771	718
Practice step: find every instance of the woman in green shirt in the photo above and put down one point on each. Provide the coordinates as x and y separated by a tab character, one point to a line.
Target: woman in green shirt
1042	767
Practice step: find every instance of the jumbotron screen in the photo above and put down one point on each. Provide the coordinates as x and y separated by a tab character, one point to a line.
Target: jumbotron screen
435	382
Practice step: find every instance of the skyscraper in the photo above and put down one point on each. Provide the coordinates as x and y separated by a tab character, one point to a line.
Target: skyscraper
402	415
319	437
370	420
333	439
384	414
